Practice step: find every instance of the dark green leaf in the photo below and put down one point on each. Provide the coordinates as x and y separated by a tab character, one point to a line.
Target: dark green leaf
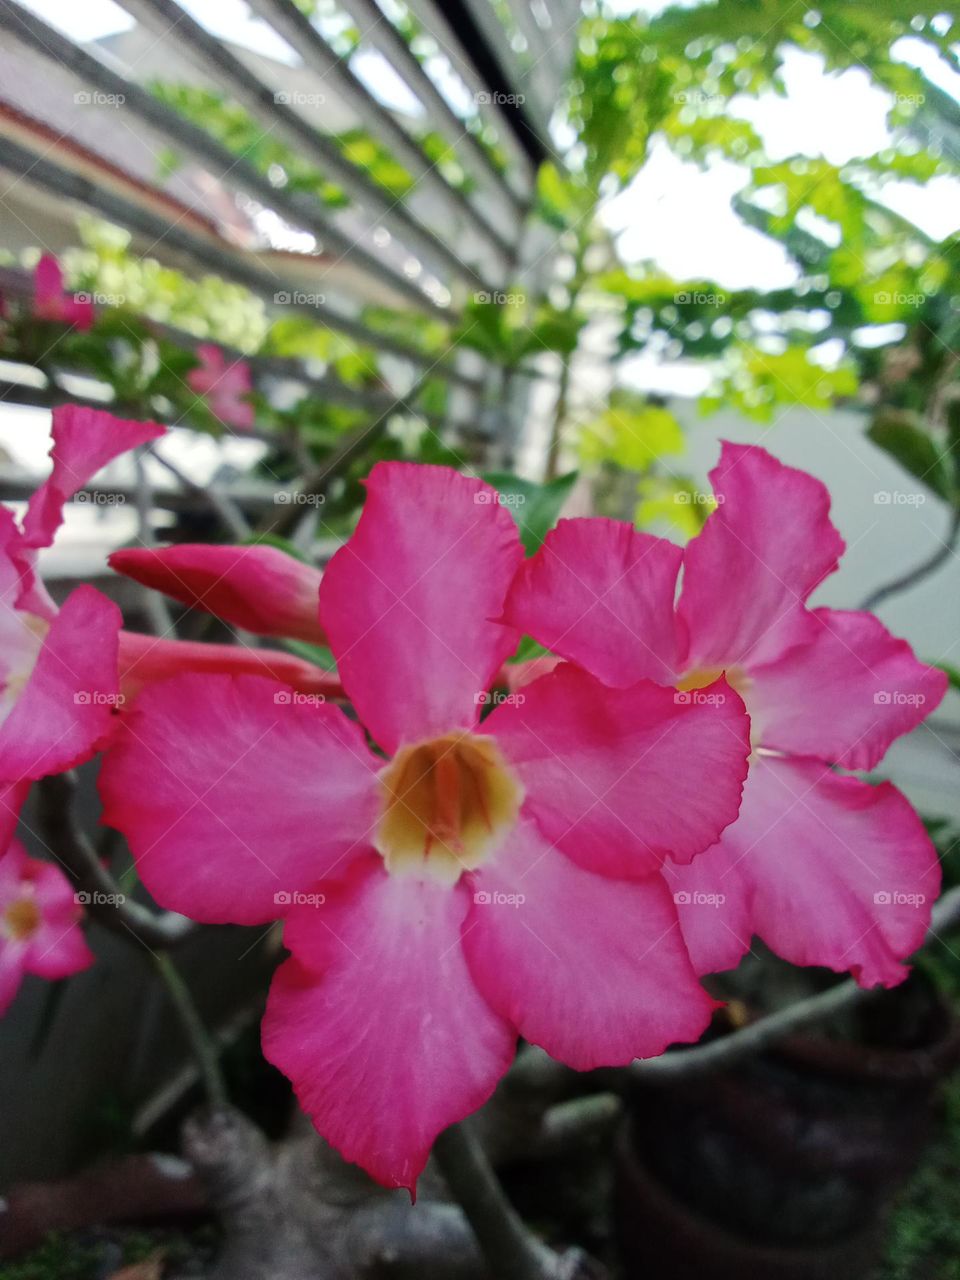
535	507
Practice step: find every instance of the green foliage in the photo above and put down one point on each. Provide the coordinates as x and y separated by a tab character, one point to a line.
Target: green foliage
672	501
237	130
632	434
535	507
924	1234
758	382
904	438
508	326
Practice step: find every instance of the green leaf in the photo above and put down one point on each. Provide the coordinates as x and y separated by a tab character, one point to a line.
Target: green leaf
528	649
952	673
318	654
535	507
900	435
281	543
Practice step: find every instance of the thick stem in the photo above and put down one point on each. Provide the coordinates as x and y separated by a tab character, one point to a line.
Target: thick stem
559	418
920	571
512	1252
202	1045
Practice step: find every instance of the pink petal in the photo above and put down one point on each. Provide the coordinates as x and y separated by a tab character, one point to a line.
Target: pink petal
378	1023
67	705
210	370
12	798
20	585
618	779
147	659
592	969
826	869
11	972
47	287
408	602
84	441
844	696
58	950
601	594
258	588
234	793
759	556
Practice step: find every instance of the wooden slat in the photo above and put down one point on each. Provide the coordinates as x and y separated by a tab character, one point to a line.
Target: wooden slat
301	210
290	23
168	20
36	170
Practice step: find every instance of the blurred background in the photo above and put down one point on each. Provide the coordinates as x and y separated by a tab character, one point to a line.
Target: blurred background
572	246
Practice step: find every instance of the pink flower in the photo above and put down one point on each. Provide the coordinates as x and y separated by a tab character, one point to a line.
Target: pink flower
224	386
825	868
39	923
58	667
51	303
467	882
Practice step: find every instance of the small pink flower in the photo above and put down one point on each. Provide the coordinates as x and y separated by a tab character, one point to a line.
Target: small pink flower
461	884
58	667
825	868
39	923
51	303
224	386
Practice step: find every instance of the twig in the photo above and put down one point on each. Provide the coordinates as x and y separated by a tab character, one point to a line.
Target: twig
351	446
203	1047
920	571
534	1069
226	509
105	900
154	604
512	1252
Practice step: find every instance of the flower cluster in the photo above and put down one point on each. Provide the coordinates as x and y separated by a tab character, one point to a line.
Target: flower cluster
456	868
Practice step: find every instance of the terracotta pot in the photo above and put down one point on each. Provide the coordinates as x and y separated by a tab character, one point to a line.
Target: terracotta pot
783	1166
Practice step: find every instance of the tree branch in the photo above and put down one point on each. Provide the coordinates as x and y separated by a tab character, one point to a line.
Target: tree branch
920	571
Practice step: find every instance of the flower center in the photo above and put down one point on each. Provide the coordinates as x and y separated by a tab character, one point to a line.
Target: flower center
22	651
700	677
446	805
737	679
21	919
